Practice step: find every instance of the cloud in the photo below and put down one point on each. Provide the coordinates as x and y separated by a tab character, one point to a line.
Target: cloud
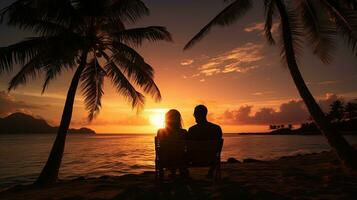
291	112
210	71
263	93
254	27
187	62
8	105
259	27
327	101
241	60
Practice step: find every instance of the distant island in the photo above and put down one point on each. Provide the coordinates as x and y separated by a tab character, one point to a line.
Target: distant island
18	123
343	117
347	127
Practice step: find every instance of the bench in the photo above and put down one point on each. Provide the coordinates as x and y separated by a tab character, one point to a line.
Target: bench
187	154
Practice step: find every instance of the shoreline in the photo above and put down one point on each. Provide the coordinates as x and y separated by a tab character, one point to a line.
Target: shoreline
309	176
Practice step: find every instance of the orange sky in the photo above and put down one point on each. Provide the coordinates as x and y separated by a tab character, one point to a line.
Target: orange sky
232	71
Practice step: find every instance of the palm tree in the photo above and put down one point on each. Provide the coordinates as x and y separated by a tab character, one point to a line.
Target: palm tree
351	110
321	21
90	37
337	110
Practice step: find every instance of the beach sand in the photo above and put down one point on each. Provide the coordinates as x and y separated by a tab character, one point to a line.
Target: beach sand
312	176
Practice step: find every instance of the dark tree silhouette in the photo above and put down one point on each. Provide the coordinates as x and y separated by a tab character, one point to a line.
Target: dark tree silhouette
90	37
319	22
272	127
290	126
351	110
336	111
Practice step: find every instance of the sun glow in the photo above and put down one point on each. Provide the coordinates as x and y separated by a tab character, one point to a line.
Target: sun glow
157	117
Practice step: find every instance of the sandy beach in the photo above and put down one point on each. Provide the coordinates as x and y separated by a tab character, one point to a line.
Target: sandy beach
312	176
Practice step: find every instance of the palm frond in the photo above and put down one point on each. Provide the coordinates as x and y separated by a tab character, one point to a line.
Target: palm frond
122	52
23	13
319	32
92	80
18	12
52	72
29	70
269	13
127	10
346	22
20	52
123	85
230	14
57	63
291	32
62	55
45	28
134	65
112	25
61	47
136	36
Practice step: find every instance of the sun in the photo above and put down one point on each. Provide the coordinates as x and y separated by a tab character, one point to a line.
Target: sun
157	117
157	120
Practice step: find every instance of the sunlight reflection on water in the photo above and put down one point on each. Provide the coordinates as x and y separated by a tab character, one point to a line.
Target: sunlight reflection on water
22	156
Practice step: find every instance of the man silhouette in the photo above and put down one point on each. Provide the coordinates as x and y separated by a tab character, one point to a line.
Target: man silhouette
204	130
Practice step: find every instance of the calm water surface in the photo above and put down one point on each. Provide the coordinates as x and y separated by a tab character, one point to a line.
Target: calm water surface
23	156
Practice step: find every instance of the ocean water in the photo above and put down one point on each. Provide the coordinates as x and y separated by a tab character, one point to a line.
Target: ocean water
23	156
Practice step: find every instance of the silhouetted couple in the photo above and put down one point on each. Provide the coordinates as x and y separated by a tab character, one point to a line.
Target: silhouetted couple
202	131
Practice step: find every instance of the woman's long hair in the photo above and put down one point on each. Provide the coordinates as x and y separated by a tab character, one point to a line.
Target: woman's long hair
173	120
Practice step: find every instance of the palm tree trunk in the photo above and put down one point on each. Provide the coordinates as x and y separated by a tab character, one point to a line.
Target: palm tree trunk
49	173
345	152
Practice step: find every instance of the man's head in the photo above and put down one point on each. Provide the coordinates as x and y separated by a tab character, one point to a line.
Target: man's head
200	113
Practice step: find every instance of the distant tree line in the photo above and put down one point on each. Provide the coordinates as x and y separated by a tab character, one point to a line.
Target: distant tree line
342	115
339	112
282	126
342	111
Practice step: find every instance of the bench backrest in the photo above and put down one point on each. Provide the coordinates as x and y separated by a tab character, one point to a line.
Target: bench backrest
183	153
171	153
204	153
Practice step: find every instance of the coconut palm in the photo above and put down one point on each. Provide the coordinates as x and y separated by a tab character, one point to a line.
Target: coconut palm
351	110
90	37
318	21
337	109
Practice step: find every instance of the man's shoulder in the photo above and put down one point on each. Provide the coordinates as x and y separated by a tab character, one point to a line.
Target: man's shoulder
194	127
214	125
208	124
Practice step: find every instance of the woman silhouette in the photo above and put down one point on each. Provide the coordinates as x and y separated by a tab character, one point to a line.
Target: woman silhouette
173	131
173	127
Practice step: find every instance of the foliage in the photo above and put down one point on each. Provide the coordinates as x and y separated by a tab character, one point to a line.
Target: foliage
66	28
317	22
336	111
341	111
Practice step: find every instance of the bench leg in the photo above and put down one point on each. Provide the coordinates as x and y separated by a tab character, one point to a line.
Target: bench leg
218	172
156	170
161	174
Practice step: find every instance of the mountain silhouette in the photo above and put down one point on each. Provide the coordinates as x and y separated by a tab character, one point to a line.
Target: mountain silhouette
23	123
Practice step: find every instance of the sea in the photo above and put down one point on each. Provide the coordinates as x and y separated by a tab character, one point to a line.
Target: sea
22	156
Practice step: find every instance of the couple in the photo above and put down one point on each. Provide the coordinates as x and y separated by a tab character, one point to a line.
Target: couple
202	131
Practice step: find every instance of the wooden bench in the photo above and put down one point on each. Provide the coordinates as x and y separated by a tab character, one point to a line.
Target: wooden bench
187	154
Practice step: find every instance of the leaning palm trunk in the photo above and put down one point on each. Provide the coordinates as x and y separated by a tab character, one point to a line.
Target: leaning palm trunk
49	173
345	152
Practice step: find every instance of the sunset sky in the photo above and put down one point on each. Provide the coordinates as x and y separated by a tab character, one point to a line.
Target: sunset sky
232	71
